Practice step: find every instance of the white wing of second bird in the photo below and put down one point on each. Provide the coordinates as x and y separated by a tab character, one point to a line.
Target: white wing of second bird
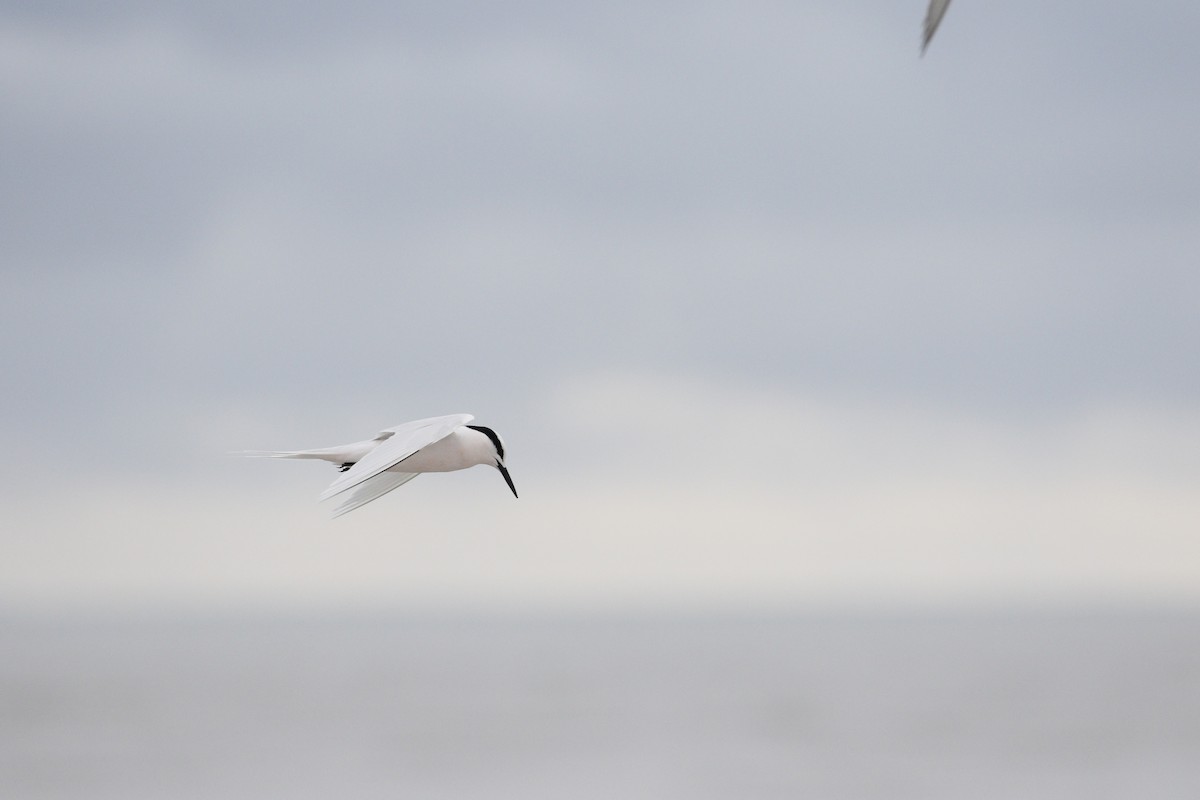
933	18
371	469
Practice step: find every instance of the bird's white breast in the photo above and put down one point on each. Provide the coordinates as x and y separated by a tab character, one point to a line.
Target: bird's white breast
461	449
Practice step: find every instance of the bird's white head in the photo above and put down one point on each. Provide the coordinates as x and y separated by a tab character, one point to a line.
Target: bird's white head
498	446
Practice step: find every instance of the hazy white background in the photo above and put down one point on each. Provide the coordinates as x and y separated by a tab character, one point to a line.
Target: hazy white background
770	311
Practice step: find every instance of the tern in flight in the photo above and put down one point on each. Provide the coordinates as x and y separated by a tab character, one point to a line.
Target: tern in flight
372	468
933	17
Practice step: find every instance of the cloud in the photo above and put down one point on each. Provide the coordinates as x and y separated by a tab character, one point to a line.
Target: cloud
667	492
962	289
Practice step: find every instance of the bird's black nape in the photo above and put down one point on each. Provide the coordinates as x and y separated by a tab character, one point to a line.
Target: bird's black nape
491	434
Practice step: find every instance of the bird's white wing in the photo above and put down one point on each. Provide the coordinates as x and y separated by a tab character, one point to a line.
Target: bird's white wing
373	489
405	440
933	17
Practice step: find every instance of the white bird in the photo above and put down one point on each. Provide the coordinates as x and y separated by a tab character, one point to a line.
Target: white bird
933	17
372	468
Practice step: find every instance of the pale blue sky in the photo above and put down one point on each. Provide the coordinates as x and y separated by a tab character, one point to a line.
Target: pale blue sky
768	309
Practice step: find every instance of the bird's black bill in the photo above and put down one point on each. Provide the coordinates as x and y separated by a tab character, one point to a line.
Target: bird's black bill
507	478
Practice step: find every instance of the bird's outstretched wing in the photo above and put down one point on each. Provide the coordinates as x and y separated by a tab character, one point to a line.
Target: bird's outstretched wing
405	440
373	489
933	17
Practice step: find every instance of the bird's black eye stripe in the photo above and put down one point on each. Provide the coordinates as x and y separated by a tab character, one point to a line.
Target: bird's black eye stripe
491	434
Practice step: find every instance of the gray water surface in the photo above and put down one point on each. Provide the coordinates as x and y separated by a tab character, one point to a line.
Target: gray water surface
1099	705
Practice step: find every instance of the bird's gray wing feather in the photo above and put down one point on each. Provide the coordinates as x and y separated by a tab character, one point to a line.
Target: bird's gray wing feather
405	440
933	18
373	489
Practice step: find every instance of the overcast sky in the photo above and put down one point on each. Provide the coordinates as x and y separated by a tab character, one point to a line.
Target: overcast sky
769	310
